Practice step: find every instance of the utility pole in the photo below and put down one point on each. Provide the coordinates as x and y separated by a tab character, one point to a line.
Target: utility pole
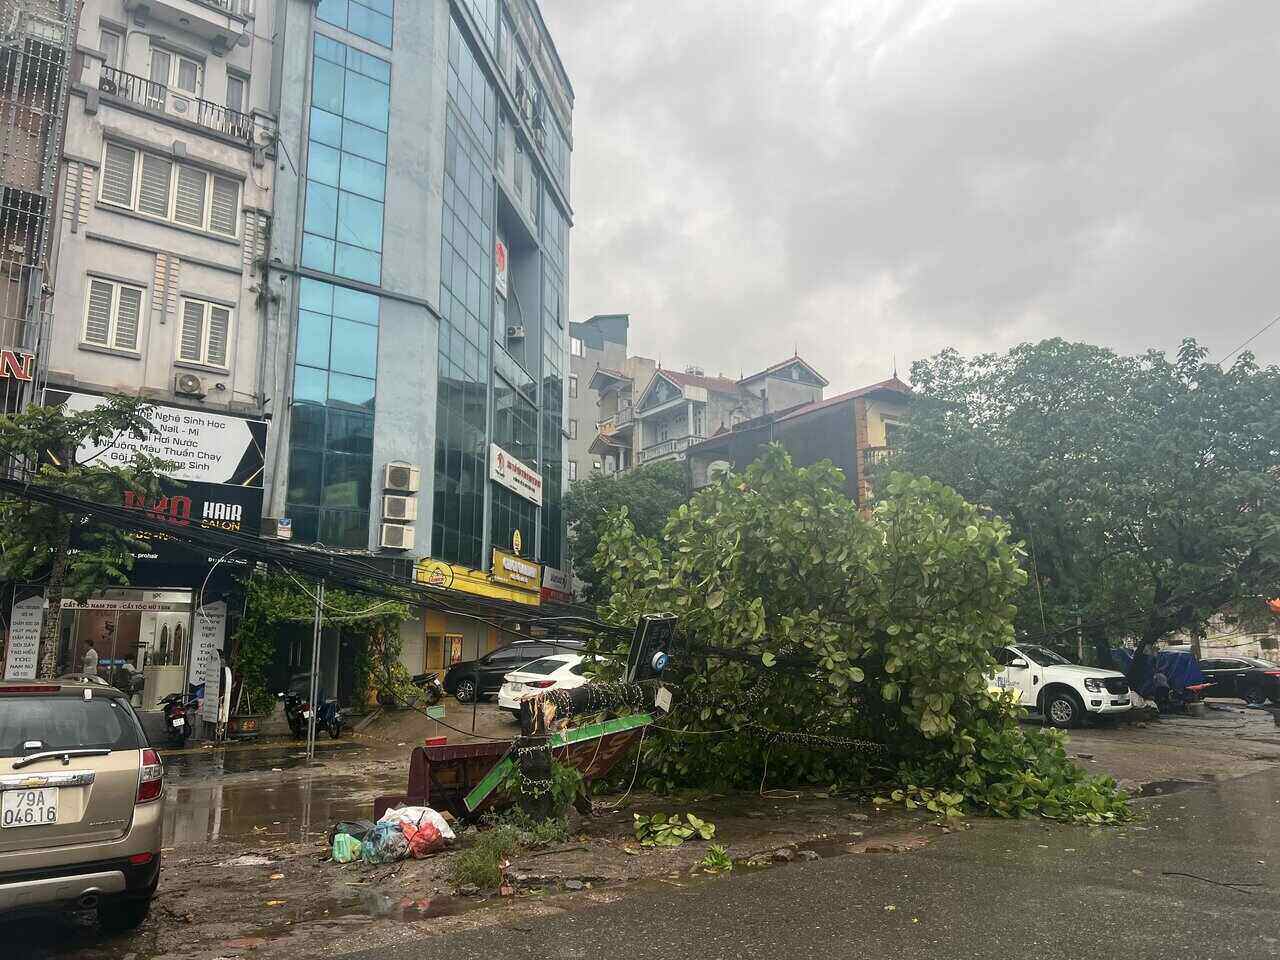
317	633
1079	639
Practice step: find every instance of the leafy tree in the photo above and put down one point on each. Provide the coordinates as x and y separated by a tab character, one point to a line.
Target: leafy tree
649	494
274	601
40	444
809	626
1145	488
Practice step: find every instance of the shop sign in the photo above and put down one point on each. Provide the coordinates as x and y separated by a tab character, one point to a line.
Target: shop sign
17	365
217	480
557	585
501	268
516	571
284	528
433	573
207	636
517	542
25	620
136	606
514	474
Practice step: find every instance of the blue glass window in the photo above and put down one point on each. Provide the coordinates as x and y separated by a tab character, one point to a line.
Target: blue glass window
371	19
331	424
346	162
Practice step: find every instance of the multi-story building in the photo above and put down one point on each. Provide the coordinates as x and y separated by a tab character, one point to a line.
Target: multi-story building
855	431
613	390
678	409
35	62
418	277
160	231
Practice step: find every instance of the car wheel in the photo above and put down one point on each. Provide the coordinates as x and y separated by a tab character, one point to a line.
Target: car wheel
335	729
121	916
465	692
1255	695
1062	709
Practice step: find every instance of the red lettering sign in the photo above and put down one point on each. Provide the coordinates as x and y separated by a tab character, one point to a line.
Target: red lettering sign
19	366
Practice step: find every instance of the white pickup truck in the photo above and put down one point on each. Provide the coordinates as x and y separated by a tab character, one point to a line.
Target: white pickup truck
1061	691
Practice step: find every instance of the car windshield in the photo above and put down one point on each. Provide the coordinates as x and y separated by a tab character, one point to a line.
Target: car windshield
66	723
1044	656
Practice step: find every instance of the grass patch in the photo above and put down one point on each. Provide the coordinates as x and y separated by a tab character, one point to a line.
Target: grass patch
504	834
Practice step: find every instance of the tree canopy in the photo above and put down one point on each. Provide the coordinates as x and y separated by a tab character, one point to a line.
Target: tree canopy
1145	488
649	493
810	630
36	538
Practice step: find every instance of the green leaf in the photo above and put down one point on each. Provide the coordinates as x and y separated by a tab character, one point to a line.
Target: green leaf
714	599
768	659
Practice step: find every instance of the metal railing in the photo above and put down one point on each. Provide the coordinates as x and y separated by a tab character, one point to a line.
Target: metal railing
873	456
625	417
665	448
155	96
243	8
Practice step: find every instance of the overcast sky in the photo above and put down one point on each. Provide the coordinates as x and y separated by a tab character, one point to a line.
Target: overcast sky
859	178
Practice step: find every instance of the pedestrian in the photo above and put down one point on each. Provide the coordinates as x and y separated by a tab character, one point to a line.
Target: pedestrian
90	658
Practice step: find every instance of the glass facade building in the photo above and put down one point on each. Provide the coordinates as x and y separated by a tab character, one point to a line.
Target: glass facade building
466	146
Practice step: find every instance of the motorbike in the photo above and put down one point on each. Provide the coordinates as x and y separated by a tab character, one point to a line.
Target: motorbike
297	712
177	707
431	687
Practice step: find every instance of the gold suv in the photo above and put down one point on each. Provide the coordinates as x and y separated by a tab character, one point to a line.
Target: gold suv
80	810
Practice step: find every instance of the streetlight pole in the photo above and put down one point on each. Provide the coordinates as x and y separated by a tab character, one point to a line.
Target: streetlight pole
317	632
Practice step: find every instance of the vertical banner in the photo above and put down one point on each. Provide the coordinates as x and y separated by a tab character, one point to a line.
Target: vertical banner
23	650
206	637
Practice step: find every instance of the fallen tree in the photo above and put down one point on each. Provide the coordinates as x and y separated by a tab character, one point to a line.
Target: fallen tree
812	631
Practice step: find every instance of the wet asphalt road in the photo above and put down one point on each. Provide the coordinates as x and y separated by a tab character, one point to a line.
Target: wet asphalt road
998	890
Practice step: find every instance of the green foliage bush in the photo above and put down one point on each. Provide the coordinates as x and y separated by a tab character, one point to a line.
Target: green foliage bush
900	609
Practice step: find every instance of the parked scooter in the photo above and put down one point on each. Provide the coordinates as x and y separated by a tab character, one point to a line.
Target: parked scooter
432	689
298	712
177	708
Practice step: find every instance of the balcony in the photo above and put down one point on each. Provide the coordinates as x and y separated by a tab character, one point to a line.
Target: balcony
160	99
221	22
624	419
872	457
665	449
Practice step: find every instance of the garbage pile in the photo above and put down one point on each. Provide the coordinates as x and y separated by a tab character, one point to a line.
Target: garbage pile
401	832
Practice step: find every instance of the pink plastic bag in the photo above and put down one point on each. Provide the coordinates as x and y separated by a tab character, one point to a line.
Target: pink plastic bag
424	839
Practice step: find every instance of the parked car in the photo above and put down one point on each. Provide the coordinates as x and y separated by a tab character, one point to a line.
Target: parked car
482	678
1064	693
80	810
562	671
1249	678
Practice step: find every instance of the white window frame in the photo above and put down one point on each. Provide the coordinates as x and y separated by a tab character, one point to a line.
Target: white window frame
573	386
205	327
573	429
573	470
116	286
577	348
209	175
118	63
175	61
233	77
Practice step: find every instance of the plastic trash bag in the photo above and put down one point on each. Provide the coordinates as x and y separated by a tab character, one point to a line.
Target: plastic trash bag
386	843
423	839
345	848
418	816
359	829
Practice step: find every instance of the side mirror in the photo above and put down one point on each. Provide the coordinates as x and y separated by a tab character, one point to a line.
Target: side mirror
1018	664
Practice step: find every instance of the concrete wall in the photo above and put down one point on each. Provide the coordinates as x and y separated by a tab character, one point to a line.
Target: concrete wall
167	260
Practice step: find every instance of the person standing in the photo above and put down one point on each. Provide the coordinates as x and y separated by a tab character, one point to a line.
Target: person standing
90	659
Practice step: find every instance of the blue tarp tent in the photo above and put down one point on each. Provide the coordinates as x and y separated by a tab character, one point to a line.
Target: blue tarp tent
1181	669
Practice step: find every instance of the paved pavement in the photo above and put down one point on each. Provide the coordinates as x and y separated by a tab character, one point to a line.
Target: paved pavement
1153	889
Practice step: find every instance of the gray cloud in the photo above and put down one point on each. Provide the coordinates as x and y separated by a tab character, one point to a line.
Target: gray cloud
865	179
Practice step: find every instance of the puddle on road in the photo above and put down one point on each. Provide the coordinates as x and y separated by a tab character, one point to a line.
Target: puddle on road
1162	788
284	811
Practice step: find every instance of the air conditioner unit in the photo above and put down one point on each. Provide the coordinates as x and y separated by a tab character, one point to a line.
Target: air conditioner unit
397	536
399	508
516	332
188	384
401	476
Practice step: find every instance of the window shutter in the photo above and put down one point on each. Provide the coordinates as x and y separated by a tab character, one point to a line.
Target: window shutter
127	313
188	206
97	324
153	193
192	330
117	176
222	213
219	330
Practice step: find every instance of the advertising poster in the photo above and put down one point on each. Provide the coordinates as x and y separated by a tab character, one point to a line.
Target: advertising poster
23	649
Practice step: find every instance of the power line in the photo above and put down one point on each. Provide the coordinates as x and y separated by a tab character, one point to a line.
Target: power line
1249	341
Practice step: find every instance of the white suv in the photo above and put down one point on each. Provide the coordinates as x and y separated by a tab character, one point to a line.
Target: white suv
1063	692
